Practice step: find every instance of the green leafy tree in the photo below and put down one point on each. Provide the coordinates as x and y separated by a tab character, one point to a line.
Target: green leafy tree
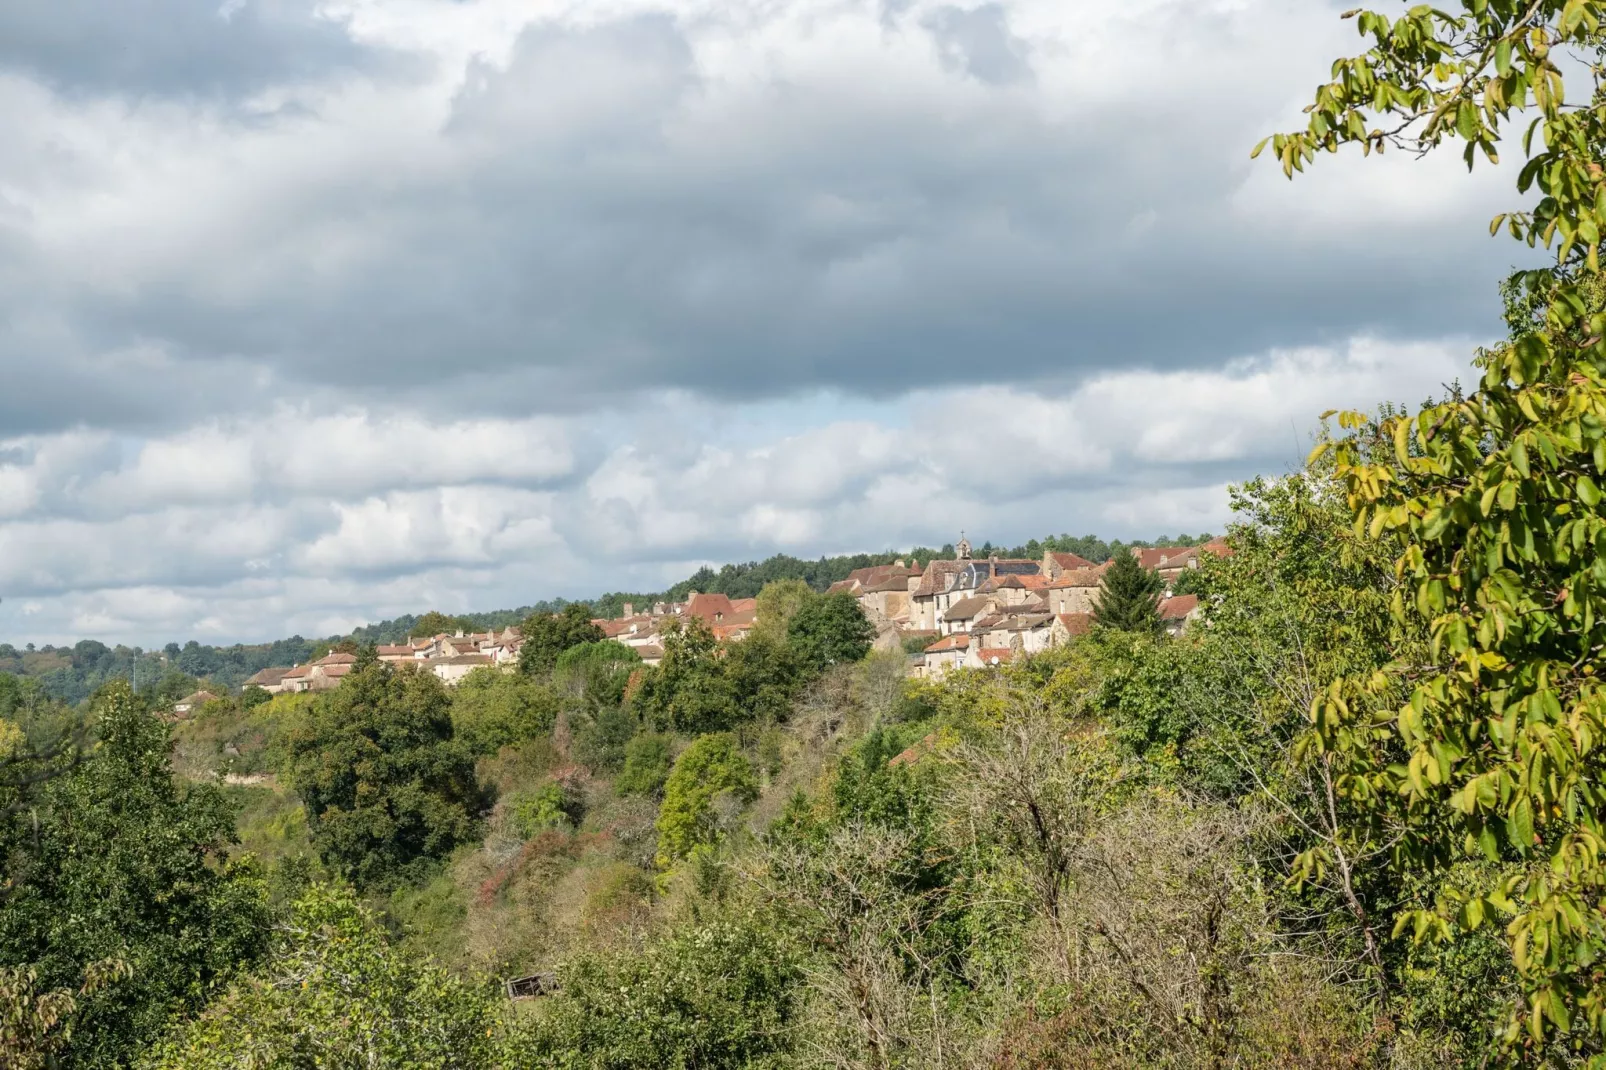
548	635
336	994
384	782
117	864
689	691
1496	499
492	709
712	765
717	995
600	669
778	603
437	623
1129	598
830	629
648	758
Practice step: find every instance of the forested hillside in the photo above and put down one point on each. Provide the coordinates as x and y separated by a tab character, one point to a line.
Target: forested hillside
1354	817
72	673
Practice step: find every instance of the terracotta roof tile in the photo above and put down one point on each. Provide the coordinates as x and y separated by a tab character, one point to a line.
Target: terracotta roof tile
1179	607
1068	560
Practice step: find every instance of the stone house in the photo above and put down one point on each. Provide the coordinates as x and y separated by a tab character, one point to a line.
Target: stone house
192	702
1075	590
1055	562
1172	561
269	680
451	668
959	616
1023	633
944	655
980	657
1177	612
1068	626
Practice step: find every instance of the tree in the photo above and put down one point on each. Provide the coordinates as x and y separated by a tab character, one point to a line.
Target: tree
384	782
710	766
336	994
119	891
648	758
689	691
437	623
548	635
830	629
492	709
1496	498
1129	598
778	603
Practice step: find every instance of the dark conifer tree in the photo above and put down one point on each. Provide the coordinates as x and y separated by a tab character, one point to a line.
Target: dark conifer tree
1130	597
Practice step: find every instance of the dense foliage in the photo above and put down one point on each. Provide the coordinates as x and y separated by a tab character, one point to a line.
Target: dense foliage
385	782
118	894
1129	597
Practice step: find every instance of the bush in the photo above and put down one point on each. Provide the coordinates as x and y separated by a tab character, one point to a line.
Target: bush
648	758
336	994
557	804
710	766
712	996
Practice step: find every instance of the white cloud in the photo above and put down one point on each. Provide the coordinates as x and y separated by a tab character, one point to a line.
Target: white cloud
232	531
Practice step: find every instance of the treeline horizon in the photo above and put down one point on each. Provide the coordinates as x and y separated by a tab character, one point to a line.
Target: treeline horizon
70	673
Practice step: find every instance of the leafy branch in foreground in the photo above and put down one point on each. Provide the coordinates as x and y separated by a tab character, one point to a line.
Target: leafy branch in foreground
1497	501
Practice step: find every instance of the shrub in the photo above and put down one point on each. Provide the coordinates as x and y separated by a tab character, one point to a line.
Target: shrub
716	995
336	994
710	766
648	758
557	804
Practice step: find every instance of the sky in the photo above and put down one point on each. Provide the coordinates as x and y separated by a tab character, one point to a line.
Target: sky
312	314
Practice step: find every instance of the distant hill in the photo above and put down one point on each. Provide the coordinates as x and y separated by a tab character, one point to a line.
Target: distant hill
72	673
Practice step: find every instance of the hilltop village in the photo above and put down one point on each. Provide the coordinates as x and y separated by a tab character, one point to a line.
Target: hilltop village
961	612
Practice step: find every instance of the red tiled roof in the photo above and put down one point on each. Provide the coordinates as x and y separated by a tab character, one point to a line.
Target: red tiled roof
461	659
336	671
1000	655
267	677
958	641
1178	607
298	672
937	574
1077	623
1080	577
707	607
1069	561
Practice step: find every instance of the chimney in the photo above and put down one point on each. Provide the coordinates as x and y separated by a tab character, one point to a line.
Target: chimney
459	634
630	609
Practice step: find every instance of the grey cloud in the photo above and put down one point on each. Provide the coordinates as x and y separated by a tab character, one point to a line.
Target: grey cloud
978	42
601	219
173	47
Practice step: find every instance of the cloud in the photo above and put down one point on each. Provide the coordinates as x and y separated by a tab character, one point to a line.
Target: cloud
581	206
240	530
312	313
175	47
